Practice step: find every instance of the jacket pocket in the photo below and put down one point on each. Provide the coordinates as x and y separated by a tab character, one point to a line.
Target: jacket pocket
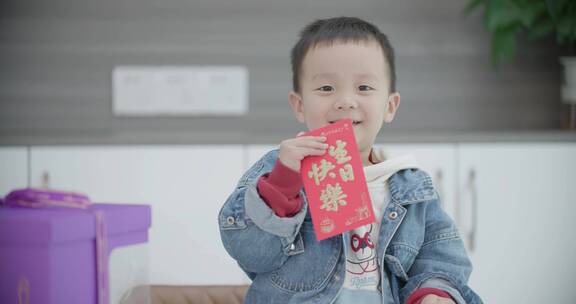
395	267
399	259
310	269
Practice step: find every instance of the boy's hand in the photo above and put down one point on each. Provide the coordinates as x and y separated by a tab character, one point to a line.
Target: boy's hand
293	150
434	299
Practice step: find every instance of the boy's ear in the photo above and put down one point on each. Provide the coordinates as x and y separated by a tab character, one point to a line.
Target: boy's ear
297	106
391	107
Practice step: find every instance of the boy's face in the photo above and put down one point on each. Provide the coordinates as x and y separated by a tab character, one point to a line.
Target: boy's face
346	80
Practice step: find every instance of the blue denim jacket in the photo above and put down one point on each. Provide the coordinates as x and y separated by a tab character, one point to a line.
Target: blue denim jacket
418	246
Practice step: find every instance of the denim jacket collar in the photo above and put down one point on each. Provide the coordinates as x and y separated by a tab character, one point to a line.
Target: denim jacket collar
411	187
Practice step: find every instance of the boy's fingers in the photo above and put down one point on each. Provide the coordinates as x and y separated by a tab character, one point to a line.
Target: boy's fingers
312	144
300	134
319	145
314	138
313	151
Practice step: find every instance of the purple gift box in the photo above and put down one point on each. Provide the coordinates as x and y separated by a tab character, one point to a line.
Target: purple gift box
60	255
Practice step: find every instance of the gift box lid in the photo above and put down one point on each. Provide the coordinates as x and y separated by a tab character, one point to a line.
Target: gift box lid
55	225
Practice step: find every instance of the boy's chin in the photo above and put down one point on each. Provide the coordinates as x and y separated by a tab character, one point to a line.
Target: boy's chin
363	143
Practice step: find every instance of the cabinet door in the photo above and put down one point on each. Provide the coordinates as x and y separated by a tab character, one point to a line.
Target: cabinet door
517	202
185	185
13	169
439	161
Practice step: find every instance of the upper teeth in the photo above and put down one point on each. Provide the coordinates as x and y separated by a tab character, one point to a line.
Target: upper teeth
354	121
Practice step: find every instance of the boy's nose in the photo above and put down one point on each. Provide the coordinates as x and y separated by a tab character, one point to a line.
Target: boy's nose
345	103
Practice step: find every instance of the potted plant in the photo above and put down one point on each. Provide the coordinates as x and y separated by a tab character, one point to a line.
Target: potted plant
507	19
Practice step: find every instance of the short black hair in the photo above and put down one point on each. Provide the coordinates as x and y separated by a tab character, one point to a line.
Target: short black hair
343	29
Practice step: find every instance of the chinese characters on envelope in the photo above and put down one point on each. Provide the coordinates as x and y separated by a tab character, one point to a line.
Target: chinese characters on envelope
335	185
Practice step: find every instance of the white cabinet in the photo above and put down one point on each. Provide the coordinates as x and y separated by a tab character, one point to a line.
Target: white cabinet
185	185
13	169
255	152
517	206
439	161
513	202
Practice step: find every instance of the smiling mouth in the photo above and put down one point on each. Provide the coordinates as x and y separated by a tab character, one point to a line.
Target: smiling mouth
354	122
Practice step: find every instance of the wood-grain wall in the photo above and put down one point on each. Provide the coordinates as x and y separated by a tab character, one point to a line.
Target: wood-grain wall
56	59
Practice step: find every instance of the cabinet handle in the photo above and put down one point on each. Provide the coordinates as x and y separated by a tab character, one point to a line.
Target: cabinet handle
473	211
45	181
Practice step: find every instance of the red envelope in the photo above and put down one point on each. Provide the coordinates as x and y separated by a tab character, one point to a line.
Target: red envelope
335	184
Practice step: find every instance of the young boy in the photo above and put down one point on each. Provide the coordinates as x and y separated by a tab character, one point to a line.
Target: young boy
344	68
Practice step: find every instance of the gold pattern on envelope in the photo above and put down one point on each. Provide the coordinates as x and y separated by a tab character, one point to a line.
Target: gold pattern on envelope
339	152
319	173
332	197
347	173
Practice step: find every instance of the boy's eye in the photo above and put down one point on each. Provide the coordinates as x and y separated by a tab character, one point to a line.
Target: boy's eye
365	88
325	88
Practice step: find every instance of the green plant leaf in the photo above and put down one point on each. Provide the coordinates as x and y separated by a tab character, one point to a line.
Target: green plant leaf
473	5
566	22
504	44
502	14
554	8
532	12
540	29
537	18
566	31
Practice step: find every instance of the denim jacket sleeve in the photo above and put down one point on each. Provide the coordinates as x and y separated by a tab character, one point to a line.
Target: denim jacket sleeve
251	232
442	261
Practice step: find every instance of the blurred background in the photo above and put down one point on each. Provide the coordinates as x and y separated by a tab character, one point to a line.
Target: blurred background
57	57
493	137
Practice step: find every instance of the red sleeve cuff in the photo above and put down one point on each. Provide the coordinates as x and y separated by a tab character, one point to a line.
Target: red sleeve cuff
285	180
418	294
280	189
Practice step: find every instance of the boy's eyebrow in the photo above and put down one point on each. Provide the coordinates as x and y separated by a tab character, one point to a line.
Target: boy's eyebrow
334	76
325	75
367	75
